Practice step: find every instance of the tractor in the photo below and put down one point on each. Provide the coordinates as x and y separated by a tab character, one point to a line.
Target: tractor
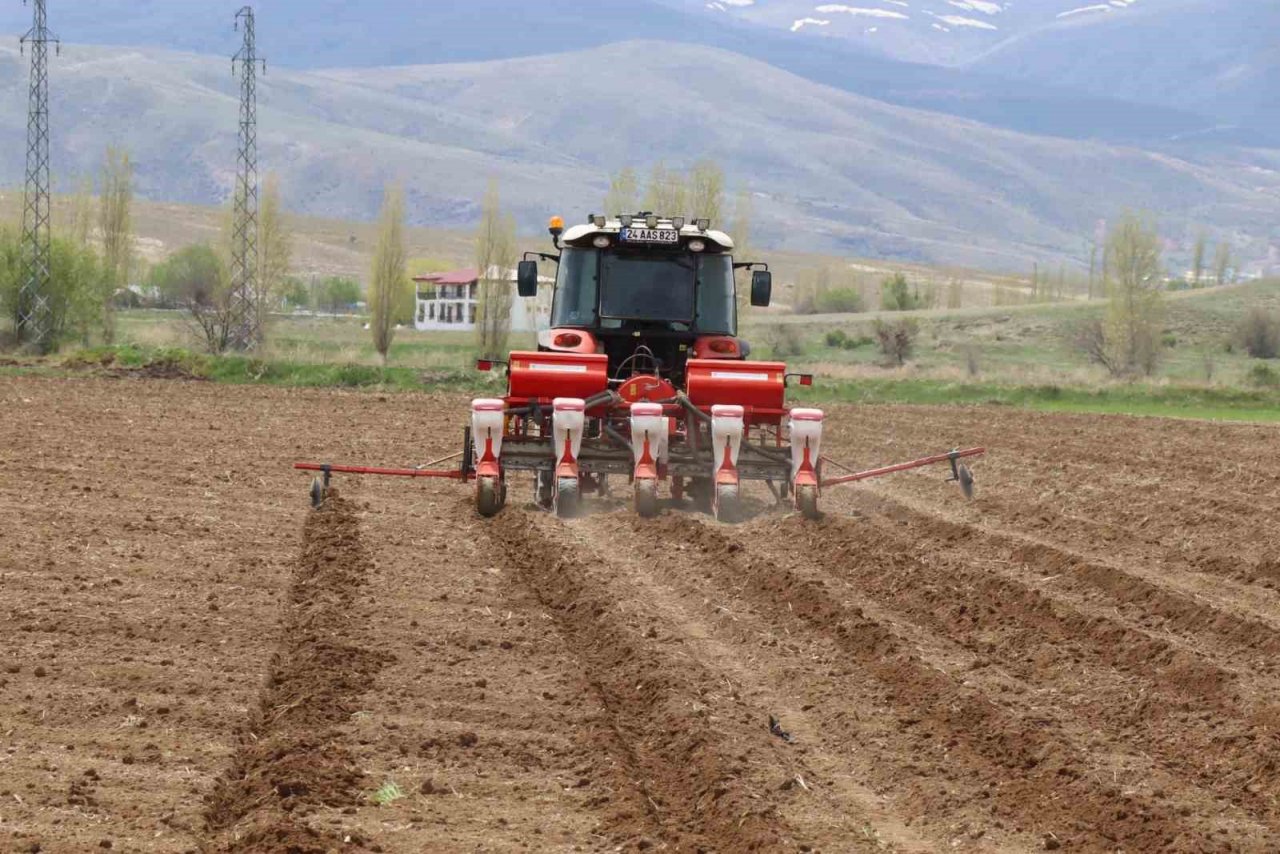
641	376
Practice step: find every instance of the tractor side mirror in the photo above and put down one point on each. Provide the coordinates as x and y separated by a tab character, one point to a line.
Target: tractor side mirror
761	288
527	278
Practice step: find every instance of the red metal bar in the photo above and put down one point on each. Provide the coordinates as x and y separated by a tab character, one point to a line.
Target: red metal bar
451	474
914	464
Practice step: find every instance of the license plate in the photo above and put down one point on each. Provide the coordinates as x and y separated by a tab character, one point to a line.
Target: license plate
649	235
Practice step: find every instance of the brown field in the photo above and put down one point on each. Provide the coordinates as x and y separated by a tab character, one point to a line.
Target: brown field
1085	658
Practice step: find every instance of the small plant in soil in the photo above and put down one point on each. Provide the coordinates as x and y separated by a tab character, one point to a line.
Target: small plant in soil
389	793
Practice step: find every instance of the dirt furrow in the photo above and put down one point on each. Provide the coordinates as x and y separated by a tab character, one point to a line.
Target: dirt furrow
1192	716
1162	534
1217	628
1029	769
828	800
292	760
686	756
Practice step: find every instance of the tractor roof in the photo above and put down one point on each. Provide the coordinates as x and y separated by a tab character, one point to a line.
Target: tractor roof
575	234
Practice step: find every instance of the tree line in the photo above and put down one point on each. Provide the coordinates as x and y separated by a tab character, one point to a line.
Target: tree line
96	268
91	259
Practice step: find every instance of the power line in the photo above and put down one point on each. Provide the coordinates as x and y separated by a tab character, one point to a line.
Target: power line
34	316
246	330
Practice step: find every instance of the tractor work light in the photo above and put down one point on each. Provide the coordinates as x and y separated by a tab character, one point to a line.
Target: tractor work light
651	221
625	219
702	224
677	222
697	245
601	241
568	339
598	220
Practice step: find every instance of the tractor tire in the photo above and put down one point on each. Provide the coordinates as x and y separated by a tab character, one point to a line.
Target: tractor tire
965	476
807	502
318	493
646	498
568	500
728	503
490	496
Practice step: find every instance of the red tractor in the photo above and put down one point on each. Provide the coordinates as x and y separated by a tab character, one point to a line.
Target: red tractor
641	376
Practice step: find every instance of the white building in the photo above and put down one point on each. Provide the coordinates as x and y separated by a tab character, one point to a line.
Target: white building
449	301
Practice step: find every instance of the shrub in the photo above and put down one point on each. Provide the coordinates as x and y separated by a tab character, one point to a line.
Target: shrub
838	339
1259	334
1264	376
896	294
896	339
783	340
838	301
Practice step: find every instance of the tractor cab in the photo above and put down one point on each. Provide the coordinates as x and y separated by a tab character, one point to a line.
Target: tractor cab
648	292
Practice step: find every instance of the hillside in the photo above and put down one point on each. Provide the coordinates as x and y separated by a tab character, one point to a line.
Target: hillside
327	34
1208	56
833	171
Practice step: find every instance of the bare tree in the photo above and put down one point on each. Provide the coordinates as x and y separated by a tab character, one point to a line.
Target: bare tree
1197	261
896	339
955	293
1259	333
275	253
1134	307
624	191
1093	269
1090	338
666	193
740	232
1222	263
388	278
116	224
706	191
495	258
81	216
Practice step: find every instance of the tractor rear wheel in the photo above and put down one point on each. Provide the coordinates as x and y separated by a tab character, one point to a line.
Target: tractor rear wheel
807	501
646	497
490	496
728	502
568	498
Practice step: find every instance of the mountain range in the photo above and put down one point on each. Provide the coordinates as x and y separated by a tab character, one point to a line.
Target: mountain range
1011	154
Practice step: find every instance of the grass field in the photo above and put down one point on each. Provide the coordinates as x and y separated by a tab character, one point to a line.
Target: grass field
1014	355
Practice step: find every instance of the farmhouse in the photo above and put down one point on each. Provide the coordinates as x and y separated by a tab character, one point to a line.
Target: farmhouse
450	301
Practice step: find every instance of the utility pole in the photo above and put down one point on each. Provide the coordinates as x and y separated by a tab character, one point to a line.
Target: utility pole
34	323
246	330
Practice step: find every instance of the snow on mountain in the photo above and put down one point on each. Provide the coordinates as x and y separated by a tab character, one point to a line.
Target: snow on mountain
1216	57
944	32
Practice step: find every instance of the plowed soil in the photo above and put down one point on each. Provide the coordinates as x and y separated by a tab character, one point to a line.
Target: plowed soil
1084	658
